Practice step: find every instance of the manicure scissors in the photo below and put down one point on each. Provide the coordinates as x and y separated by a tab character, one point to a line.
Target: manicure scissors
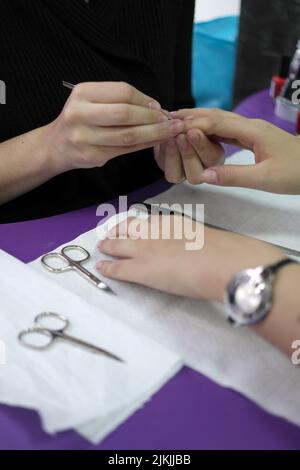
73	264
49	334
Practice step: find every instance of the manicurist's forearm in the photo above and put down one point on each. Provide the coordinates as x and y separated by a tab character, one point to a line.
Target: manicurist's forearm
282	326
100	121
25	163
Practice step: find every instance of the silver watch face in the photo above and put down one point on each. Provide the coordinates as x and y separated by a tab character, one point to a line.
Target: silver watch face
249	297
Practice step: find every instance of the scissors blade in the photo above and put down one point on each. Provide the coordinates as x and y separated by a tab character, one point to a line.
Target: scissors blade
93	279
77	265
108	354
105	287
89	346
154	209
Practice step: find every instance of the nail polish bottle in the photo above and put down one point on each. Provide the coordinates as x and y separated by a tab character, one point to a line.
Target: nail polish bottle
278	81
298	126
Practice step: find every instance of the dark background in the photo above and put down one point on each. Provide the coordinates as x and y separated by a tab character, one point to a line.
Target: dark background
268	30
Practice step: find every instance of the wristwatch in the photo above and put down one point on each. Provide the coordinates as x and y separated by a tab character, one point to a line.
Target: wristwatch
249	295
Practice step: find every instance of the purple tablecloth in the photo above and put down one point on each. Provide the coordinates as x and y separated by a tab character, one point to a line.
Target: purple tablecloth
190	412
260	106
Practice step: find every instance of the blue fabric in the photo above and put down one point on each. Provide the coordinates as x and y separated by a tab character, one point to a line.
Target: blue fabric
214	56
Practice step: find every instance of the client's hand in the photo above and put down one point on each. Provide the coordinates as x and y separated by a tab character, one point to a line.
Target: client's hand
277	153
187	156
103	120
167	264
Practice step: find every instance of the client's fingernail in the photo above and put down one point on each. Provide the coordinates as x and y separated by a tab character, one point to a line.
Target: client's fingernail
210	176
103	243
183	143
171	144
155	105
194	137
99	265
176	126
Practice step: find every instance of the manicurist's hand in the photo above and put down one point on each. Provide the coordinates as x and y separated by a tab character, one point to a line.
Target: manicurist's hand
277	153
100	121
103	120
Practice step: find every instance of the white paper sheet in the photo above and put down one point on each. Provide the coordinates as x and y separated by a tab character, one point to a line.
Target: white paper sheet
197	331
68	385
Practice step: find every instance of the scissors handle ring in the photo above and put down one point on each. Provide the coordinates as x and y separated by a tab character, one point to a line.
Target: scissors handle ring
50	268
64	321
78	248
36	330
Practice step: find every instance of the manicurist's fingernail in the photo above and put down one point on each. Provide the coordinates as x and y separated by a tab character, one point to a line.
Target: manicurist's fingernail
162	118
210	176
155	105
176	126
166	113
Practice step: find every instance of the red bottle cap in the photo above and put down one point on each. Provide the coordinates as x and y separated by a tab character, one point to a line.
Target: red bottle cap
298	124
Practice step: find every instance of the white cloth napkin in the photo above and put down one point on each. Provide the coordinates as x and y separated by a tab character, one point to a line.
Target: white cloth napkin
197	331
68	385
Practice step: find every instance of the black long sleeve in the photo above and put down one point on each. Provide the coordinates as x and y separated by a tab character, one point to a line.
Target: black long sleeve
43	42
183	68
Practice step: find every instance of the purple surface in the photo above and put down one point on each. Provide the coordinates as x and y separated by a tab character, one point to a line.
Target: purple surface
260	106
190	412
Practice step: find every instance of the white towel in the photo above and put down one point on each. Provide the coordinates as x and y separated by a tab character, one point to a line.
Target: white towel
66	384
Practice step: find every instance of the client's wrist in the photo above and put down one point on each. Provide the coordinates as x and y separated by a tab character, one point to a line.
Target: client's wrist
284	287
249	297
281	326
227	272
